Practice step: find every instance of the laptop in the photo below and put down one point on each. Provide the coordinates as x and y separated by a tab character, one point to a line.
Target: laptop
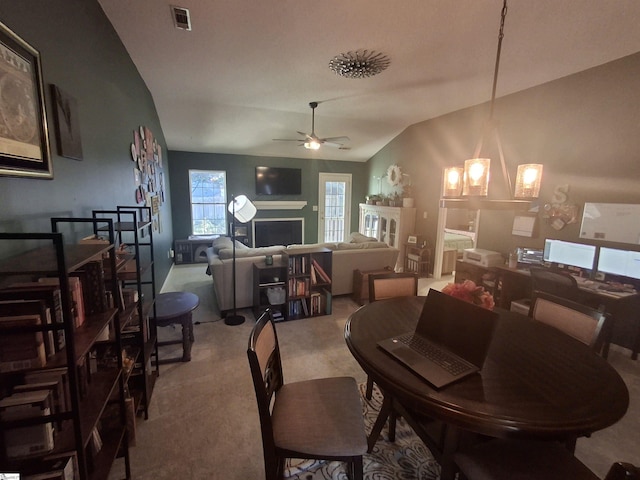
450	342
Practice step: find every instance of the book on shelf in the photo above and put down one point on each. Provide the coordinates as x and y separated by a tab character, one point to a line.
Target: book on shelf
21	350
32	439
77	297
327	301
32	307
52	467
93	289
56	390
39	291
320	271
60	377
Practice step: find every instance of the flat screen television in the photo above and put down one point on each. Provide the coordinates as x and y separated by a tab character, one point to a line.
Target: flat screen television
569	253
278	181
625	263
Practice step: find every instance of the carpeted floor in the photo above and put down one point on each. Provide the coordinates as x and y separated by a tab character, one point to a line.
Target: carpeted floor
203	421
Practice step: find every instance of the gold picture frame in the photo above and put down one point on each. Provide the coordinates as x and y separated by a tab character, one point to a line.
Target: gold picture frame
24	137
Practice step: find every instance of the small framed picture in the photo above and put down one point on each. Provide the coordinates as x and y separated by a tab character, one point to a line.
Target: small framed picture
412	239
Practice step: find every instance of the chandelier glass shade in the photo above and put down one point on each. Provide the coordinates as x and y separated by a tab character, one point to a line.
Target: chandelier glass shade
528	180
476	177
452	182
359	64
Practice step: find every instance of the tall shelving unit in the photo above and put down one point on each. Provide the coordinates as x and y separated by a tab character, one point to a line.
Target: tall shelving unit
308	289
91	393
133	228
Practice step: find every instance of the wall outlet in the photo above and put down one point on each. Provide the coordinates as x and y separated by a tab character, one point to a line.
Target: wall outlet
315	208
424	215
170	253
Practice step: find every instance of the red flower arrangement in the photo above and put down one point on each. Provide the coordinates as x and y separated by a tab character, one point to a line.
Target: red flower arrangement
470	292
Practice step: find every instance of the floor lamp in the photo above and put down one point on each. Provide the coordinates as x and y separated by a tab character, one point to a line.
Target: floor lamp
243	211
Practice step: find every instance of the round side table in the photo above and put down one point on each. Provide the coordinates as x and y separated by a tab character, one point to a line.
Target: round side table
172	308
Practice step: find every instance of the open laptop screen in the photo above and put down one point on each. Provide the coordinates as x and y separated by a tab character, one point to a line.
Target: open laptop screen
462	327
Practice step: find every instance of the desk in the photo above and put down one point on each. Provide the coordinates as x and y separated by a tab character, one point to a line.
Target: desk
536	382
176	307
623	308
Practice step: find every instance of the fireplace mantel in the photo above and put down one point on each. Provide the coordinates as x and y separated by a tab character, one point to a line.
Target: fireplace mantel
280	204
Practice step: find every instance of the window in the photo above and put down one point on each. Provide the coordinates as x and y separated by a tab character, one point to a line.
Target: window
208	202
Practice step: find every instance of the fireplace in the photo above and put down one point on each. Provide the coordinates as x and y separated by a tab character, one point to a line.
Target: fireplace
278	231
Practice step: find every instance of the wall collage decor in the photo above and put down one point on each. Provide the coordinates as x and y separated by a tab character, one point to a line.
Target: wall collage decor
148	174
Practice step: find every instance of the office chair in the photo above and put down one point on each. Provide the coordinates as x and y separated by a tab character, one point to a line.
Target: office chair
556	283
581	322
314	419
530	460
383	286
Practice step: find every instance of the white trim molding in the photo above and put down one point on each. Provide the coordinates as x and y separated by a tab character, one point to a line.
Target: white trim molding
280	204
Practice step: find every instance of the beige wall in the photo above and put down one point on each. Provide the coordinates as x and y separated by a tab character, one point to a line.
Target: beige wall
584	128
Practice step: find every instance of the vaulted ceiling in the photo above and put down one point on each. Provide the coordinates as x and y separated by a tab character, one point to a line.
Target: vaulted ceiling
247	70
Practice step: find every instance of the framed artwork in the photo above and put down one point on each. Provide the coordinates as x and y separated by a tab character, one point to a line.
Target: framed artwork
24	140
65	109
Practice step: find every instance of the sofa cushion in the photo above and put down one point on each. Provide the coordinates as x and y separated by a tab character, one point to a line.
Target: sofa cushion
221	243
227	253
329	245
357	237
362	246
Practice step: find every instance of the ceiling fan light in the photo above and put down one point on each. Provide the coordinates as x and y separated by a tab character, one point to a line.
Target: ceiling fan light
312	145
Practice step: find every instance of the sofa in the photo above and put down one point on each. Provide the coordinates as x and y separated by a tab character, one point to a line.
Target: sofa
362	253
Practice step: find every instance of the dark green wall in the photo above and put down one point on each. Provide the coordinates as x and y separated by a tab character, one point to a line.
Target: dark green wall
583	128
241	180
82	54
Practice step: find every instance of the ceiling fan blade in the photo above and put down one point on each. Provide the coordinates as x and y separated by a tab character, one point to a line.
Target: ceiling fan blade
335	139
333	144
288	139
306	135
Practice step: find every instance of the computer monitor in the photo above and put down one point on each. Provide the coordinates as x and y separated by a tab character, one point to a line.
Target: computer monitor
530	256
625	263
569	253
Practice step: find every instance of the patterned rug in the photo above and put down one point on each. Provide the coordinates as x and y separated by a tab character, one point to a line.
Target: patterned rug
405	459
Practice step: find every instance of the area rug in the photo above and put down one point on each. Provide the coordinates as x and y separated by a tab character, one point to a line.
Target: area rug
405	459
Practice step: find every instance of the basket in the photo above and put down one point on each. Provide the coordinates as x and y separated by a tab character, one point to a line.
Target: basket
276	295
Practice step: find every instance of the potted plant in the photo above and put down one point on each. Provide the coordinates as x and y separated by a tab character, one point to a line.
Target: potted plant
407	196
373	199
395	200
385	200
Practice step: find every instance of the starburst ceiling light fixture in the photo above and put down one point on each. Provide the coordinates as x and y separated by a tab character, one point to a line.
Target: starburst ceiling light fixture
359	64
473	180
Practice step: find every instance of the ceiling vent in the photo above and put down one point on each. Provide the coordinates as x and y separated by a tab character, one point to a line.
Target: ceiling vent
181	18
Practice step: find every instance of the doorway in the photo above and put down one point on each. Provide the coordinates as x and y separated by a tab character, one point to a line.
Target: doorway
334	201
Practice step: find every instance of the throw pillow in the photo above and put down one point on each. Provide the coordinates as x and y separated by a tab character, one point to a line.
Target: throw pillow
357	237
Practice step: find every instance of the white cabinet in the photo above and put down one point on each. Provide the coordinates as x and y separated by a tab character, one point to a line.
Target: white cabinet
391	225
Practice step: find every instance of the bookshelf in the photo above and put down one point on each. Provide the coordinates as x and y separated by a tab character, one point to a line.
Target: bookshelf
269	289
76	395
133	228
308	288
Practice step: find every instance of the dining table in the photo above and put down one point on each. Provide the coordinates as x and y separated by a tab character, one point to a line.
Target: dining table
536	383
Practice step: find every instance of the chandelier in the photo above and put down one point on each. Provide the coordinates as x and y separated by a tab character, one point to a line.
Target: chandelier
473	179
359	64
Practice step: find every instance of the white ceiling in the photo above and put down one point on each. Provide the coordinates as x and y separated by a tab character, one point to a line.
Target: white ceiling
247	71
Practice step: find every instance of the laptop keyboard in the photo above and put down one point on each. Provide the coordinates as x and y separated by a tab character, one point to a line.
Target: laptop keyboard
434	353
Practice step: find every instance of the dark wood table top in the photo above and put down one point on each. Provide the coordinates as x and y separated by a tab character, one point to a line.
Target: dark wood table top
536	381
174	304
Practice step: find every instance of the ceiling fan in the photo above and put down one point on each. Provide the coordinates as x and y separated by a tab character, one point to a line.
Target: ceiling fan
312	141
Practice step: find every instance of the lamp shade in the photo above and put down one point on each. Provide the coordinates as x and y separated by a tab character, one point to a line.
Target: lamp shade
452	182
528	180
476	177
242	209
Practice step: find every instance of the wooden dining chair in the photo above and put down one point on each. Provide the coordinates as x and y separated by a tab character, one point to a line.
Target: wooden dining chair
390	285
531	460
313	419
383	286
586	324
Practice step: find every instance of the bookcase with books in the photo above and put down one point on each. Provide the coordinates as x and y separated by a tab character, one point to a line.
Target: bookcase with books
308	292
136	277
63	405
